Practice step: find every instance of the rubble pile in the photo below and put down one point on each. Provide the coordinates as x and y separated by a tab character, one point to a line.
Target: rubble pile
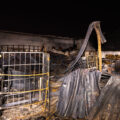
22	112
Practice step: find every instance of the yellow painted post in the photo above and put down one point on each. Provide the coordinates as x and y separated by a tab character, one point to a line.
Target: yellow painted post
96	57
99	48
48	83
47	97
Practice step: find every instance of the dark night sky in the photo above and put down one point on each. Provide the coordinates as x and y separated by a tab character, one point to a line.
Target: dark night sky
65	19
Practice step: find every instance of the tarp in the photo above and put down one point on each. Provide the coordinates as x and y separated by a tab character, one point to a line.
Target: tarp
78	93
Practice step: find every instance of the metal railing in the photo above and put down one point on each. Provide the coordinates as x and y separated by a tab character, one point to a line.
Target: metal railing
20	48
24	79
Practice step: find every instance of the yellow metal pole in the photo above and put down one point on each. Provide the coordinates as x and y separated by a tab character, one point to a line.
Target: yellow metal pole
99	47
96	57
49	83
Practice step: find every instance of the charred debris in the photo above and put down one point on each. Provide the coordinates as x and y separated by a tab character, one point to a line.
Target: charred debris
55	82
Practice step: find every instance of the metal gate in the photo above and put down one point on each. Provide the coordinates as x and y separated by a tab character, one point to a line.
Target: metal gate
24	78
91	59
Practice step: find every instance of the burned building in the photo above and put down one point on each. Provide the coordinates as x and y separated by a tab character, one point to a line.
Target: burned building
53	77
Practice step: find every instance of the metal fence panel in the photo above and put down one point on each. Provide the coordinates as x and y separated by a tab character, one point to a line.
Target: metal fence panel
24	78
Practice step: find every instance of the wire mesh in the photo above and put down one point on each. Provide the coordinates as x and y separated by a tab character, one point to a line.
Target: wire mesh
24	78
92	60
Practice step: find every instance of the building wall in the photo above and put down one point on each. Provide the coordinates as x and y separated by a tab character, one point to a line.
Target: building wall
7	38
48	41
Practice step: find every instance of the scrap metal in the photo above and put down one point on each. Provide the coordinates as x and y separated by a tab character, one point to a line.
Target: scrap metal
107	106
101	39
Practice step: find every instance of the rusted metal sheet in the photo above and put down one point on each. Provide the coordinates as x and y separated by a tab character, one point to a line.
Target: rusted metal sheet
107	106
